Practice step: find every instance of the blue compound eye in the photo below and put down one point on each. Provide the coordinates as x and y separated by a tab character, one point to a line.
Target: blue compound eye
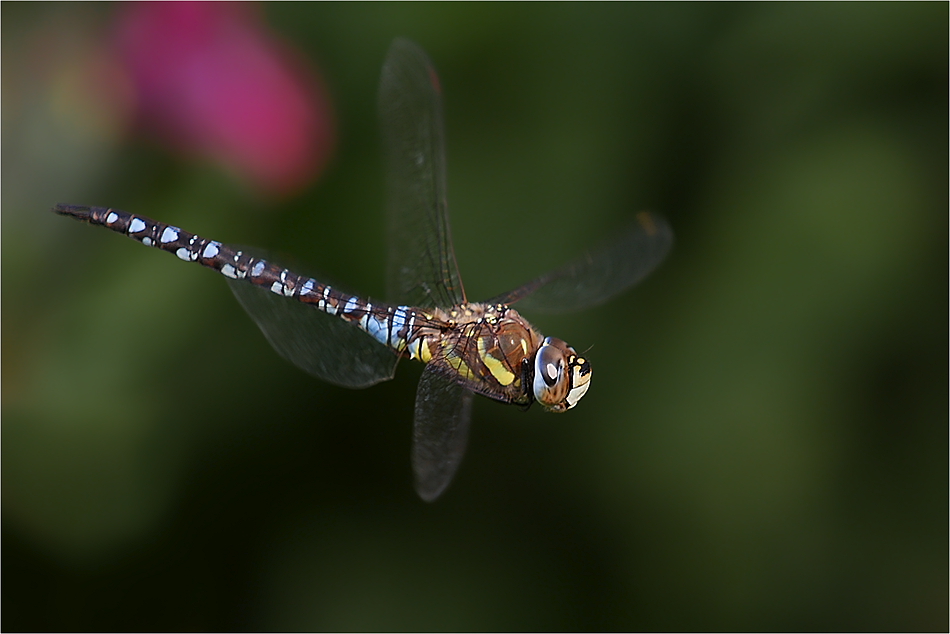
549	365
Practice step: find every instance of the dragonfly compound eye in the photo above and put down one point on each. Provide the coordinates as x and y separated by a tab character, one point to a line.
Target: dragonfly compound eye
560	377
549	365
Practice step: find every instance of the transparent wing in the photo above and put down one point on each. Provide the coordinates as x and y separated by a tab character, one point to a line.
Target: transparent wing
323	345
422	269
440	432
599	274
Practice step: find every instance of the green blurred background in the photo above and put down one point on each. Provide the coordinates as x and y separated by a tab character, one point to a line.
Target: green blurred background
765	445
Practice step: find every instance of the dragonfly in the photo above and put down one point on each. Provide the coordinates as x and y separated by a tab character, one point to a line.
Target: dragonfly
468	348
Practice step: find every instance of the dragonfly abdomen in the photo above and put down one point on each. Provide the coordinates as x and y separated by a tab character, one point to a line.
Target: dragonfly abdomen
393	326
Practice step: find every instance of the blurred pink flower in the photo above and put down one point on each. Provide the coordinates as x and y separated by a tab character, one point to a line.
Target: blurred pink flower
211	80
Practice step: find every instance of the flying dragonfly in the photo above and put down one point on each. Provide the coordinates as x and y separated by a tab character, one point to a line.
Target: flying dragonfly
468	348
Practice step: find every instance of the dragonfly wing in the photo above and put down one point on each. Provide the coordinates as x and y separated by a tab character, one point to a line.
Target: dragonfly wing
440	432
599	274
323	345
422	269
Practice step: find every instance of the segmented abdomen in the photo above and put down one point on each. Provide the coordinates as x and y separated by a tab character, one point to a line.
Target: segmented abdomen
394	326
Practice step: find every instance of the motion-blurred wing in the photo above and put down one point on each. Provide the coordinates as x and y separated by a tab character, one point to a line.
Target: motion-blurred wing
599	274
322	345
422	269
440	432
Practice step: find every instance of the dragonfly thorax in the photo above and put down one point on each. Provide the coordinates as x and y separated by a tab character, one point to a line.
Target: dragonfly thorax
489	348
493	350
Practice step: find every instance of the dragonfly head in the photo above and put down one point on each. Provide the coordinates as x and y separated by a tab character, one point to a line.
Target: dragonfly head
561	376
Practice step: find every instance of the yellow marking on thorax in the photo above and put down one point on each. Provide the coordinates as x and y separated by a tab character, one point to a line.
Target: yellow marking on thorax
460	366
497	368
455	361
419	350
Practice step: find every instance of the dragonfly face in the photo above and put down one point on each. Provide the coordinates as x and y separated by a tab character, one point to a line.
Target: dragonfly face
561	376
